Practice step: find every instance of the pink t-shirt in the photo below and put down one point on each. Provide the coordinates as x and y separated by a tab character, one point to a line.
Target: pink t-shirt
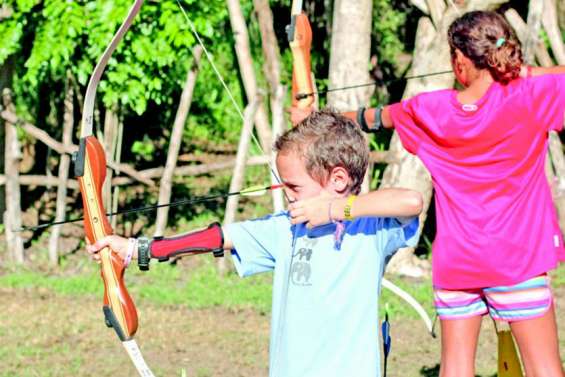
496	222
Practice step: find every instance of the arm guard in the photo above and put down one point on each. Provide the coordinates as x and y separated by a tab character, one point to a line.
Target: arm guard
209	240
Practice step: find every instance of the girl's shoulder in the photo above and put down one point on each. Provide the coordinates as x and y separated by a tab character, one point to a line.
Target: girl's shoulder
431	101
434	95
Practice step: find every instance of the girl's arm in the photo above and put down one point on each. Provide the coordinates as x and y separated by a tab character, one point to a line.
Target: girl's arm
370	115
392	202
537	71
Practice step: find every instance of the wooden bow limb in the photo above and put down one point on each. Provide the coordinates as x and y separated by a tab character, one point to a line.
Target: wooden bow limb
299	34
412	302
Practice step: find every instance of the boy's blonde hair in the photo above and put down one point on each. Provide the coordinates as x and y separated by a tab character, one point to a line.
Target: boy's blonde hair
325	140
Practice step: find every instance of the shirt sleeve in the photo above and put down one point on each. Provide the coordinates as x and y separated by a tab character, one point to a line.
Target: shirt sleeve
548	93
398	233
256	242
405	121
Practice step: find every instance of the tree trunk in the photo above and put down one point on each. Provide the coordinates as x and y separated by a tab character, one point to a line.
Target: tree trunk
277	91
111	124
561	14
64	164
118	158
431	54
351	49
165	187
350	52
551	26
556	159
555	163
6	71
535	10
436	10
12	216
245	62
521	29
238	175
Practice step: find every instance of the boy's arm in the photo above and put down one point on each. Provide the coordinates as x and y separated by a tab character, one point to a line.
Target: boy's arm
392	202
208	240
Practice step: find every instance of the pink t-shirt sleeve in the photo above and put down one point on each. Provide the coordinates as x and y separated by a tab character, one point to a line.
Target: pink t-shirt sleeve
403	118
548	100
412	119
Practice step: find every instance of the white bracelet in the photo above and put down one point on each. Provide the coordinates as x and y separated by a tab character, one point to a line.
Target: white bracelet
132	245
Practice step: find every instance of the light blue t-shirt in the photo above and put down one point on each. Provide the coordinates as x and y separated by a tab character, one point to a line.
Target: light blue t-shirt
325	294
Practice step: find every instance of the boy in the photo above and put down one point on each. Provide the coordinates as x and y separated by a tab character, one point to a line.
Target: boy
328	270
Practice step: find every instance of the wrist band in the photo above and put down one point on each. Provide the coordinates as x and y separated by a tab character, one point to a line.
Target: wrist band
347	208
143	255
132	243
361	119
378	121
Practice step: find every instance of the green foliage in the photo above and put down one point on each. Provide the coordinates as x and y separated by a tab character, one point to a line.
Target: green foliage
387	25
11	32
144	149
55	41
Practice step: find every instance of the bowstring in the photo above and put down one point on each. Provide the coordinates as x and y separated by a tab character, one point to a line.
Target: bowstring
226	88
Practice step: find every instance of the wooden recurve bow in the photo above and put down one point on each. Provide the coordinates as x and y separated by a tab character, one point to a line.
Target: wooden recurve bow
90	169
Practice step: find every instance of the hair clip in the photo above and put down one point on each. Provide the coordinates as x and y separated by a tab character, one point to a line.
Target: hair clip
500	42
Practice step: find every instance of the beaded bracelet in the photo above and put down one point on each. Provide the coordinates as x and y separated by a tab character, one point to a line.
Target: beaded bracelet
132	244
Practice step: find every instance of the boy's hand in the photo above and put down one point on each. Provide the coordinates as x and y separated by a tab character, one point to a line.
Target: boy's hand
313	212
297	115
118	244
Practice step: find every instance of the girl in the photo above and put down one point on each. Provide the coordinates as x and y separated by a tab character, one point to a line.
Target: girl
497	230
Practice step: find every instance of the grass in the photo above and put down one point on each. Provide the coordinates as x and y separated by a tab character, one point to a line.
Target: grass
201	287
165	284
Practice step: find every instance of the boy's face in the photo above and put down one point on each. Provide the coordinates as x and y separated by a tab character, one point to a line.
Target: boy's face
298	184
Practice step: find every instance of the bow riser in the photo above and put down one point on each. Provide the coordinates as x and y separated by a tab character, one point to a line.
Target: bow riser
300	41
90	169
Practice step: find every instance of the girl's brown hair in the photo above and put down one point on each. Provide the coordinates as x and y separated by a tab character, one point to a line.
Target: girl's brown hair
489	41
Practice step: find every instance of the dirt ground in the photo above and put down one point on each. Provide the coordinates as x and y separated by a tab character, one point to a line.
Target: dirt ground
43	334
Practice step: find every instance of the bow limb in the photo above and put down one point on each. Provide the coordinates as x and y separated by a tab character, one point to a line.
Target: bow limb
90	169
412	302
299	34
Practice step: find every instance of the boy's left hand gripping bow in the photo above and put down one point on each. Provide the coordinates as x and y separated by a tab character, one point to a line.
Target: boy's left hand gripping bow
90	170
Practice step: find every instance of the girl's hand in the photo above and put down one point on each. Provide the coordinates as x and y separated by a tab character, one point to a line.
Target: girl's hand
313	212
118	244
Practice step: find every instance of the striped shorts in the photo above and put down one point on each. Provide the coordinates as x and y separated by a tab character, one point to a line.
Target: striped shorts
529	299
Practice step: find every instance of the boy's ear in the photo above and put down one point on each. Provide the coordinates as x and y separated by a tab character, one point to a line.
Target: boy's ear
339	179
